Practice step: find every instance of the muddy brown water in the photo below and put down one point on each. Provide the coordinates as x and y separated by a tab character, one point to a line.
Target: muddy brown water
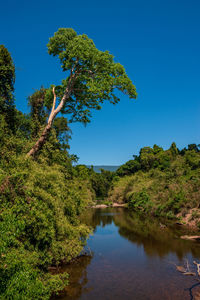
133	257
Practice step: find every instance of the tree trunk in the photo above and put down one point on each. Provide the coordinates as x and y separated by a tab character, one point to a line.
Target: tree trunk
41	141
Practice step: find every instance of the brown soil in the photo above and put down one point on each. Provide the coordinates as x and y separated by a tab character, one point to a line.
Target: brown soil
191	218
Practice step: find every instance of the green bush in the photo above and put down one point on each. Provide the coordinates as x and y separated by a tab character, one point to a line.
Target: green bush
167	184
39	227
139	200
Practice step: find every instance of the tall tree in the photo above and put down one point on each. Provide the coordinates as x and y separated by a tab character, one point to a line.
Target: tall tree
7	80
92	77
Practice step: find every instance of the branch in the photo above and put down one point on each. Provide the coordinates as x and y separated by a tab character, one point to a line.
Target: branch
53	106
198	267
67	92
72	70
54	99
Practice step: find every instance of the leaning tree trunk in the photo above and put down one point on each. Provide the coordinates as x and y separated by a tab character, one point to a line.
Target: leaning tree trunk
41	141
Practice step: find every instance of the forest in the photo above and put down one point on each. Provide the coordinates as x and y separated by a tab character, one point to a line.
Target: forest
43	189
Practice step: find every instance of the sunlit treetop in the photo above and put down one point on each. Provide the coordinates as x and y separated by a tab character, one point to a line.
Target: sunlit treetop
94	76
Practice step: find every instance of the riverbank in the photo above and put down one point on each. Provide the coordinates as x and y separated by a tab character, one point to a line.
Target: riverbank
128	250
161	183
188	221
109	205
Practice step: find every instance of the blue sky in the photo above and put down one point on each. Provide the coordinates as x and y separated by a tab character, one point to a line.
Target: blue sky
158	42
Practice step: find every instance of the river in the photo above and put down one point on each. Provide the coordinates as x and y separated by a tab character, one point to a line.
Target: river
133	257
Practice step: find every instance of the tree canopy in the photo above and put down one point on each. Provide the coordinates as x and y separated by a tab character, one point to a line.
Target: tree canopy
92	77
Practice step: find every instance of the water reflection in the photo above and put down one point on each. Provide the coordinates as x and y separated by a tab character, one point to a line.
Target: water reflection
128	251
156	238
78	278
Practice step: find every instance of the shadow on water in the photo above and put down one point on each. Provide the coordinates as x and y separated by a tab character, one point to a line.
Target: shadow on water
129	251
78	278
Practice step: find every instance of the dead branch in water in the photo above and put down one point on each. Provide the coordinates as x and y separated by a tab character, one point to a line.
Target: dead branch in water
185	270
198	267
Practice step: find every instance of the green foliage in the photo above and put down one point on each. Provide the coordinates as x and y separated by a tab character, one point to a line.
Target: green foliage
149	158
22	125
63	132
38	111
39	227
192	159
139	200
193	147
173	149
172	206
129	168
165	183
7	80
98	183
101	182
39	203
7	76
95	75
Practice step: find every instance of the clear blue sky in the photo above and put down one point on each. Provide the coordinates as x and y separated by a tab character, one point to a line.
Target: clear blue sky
158	42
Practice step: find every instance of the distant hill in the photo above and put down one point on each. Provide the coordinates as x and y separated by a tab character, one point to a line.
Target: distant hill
107	168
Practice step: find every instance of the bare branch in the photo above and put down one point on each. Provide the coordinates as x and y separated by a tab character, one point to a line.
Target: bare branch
198	267
54	99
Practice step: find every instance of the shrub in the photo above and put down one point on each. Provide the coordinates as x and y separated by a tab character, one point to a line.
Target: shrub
139	200
39	227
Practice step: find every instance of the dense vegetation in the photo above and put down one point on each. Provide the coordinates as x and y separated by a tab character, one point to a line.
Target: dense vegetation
161	182
41	193
40	203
